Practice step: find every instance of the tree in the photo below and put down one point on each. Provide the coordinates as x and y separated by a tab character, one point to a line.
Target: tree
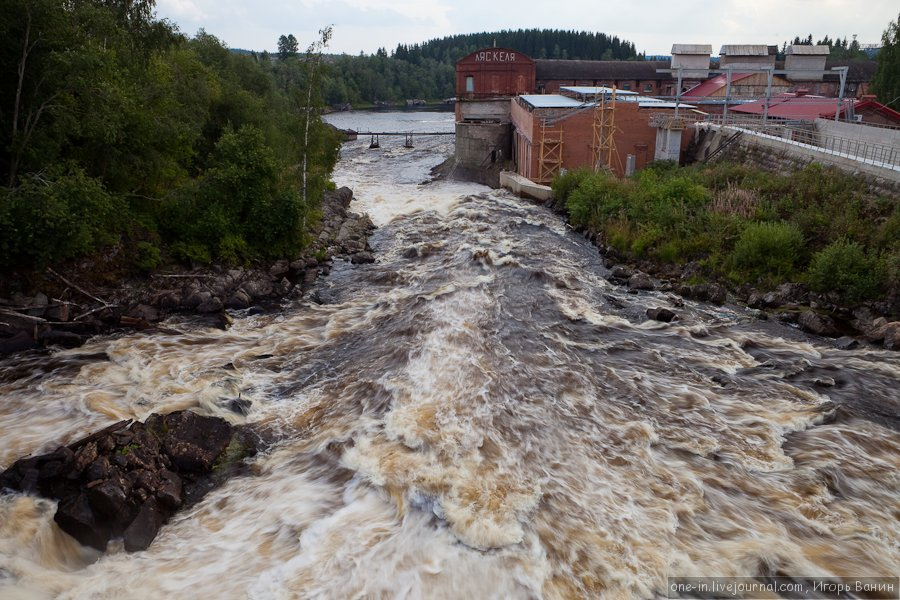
886	82
287	46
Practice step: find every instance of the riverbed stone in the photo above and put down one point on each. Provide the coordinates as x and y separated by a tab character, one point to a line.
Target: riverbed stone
661	314
640	281
129	482
818	324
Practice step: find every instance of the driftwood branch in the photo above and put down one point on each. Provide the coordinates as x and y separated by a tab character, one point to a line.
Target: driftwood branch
82	290
155	276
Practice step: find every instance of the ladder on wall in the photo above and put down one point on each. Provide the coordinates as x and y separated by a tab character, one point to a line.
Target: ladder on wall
606	157
551	152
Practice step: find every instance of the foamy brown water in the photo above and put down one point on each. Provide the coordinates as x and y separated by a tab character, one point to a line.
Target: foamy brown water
479	414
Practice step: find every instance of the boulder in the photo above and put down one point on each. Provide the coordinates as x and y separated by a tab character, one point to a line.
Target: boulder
211	305
661	314
818	324
621	272
128	480
239	300
640	281
361	258
885	332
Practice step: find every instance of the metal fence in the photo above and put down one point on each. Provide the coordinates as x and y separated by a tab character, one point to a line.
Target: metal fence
806	133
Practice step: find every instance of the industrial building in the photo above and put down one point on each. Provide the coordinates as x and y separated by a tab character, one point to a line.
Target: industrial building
537	117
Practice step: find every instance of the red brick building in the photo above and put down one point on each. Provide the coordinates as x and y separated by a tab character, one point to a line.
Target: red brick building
554	131
494	72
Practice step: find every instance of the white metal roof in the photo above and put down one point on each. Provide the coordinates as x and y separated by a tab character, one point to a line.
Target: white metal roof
586	90
744	50
550	101
692	49
806	49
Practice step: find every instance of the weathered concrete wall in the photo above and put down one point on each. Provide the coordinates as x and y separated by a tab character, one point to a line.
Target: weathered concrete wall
885	140
483	110
480	145
782	157
524	187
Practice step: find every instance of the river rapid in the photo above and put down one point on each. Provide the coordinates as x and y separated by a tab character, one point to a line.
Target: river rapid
478	414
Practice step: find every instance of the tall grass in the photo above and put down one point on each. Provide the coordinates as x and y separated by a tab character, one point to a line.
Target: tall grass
746	225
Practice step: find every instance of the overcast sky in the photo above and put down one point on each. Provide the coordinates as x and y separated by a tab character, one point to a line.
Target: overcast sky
653	25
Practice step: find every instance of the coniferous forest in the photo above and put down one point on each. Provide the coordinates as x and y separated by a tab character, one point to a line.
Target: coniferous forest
119	134
426	70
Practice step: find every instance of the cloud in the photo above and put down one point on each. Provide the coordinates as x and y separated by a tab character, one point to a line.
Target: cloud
652	25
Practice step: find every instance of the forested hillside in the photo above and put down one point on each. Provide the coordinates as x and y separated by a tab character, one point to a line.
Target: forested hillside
120	135
427	70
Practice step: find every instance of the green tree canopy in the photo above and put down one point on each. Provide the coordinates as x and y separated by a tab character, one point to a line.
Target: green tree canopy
886	83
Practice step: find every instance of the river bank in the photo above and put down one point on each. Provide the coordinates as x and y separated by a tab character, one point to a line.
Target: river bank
814	250
77	301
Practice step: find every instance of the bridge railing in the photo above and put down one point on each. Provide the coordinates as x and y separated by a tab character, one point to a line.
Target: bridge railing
806	133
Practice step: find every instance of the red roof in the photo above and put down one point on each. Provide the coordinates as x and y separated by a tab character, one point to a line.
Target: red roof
791	106
713	85
885	111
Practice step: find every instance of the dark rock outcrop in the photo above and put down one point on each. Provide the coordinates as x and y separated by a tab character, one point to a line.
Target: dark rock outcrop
661	314
823	325
127	480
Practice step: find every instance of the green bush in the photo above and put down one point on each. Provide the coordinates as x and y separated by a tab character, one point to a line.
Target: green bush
147	256
563	185
57	216
768	252
844	267
597	199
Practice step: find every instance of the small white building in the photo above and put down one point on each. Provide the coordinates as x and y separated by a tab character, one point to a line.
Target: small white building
751	57
693	59
805	62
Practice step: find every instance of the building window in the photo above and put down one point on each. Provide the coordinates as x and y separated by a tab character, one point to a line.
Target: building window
470	83
626	87
648	87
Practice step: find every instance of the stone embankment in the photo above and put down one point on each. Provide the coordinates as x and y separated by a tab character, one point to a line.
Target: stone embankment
71	312
791	303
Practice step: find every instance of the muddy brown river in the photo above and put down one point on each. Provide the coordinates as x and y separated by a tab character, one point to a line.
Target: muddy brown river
478	414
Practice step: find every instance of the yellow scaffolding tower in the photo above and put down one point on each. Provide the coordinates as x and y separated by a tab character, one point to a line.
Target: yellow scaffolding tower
551	152
606	158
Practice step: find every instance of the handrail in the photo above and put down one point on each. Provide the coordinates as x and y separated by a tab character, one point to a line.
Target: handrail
804	132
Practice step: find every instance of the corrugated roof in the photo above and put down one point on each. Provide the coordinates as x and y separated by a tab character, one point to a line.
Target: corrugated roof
654	103
692	49
806	49
601	69
587	90
798	108
883	110
713	85
744	50
550	101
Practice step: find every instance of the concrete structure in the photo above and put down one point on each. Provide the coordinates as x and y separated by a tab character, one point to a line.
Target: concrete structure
781	155
693	59
805	62
522	186
748	57
480	145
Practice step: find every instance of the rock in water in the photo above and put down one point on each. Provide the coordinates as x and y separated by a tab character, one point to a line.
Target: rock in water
127	480
661	314
823	325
